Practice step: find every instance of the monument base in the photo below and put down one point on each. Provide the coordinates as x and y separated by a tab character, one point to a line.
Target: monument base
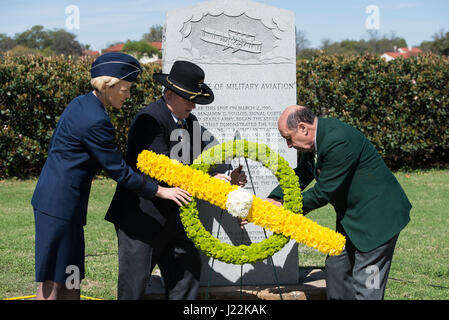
311	286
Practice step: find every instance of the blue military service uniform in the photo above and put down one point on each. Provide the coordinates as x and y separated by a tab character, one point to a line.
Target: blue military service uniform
82	143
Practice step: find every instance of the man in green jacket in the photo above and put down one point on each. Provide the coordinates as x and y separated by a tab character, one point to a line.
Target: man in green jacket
371	206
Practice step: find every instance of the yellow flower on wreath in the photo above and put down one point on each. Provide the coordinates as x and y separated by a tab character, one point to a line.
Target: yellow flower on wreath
263	213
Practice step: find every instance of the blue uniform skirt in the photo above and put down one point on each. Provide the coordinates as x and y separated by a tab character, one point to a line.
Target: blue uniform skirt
59	249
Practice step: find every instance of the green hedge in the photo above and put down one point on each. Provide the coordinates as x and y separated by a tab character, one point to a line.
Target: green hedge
402	106
34	92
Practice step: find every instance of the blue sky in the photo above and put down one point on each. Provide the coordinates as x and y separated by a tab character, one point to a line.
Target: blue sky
103	22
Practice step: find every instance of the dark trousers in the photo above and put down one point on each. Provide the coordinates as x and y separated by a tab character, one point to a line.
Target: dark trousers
174	253
356	275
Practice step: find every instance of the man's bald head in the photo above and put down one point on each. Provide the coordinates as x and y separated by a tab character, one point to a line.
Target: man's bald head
297	125
293	115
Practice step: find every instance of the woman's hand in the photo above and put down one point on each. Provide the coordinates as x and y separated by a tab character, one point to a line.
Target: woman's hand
223	177
180	196
242	223
276	202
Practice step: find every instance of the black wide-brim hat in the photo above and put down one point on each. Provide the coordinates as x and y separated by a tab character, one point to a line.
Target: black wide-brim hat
186	79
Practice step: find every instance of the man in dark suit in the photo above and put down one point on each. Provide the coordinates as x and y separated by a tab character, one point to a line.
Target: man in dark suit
150	232
371	206
83	143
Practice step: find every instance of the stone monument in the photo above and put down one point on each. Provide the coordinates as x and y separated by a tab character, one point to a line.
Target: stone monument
247	51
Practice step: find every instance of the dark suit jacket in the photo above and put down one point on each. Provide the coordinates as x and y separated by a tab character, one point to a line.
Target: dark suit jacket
154	128
370	204
82	143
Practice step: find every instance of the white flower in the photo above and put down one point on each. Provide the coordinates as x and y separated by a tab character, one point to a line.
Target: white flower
239	202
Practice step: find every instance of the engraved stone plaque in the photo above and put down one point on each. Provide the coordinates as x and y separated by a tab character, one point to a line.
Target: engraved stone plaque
247	51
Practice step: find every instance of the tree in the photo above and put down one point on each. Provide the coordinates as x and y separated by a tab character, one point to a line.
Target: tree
6	43
64	42
45	42
21	50
439	45
380	45
35	38
326	44
139	48
375	45
302	42
309	53
155	34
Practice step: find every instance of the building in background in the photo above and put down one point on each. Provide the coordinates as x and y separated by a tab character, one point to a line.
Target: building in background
401	53
145	58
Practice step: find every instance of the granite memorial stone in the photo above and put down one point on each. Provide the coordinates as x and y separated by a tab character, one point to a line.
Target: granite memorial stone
247	51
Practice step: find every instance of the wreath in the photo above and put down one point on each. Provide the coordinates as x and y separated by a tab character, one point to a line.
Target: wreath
285	222
254	252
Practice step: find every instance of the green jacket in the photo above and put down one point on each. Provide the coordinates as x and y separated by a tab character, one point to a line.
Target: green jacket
371	205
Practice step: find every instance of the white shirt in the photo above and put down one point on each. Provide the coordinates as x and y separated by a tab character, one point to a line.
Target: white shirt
175	118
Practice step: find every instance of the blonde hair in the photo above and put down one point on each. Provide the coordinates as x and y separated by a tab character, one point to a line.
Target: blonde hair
100	83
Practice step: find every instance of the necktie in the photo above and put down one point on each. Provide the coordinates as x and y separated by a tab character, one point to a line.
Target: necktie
181	125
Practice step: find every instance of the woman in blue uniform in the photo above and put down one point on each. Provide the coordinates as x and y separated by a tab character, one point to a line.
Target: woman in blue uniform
83	143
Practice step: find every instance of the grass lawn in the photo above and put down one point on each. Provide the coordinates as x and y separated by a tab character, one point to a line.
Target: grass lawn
420	267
